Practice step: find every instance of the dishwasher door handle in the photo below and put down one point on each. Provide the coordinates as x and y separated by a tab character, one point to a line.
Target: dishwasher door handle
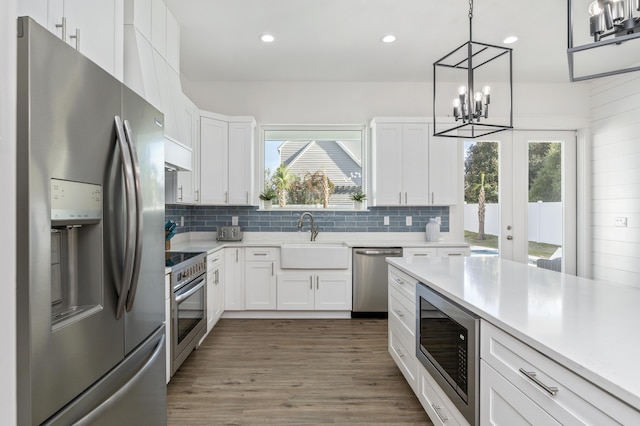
379	252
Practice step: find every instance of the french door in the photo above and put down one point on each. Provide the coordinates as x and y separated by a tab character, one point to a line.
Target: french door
520	197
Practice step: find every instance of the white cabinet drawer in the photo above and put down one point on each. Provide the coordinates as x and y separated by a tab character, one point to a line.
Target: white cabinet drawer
435	402
454	251
254	254
402	313
569	398
404	355
501	403
403	282
214	259
419	252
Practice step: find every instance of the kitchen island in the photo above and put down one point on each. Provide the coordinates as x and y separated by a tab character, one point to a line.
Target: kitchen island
588	327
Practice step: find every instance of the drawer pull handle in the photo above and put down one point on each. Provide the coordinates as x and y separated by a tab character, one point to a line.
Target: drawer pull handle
399	281
401	353
443	418
260	253
399	312
454	254
531	375
421	254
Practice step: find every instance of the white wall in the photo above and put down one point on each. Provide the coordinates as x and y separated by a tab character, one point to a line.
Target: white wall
615	107
7	214
535	105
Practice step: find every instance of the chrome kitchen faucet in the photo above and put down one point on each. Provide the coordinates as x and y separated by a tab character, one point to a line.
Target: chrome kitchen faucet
314	230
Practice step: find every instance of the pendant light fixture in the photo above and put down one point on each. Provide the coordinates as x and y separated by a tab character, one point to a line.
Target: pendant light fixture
612	23
472	66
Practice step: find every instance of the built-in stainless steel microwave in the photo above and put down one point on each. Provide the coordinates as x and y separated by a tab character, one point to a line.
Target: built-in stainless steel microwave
448	345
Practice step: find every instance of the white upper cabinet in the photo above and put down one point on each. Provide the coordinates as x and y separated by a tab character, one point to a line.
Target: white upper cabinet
443	170
214	145
410	167
401	161
93	27
226	159
241	143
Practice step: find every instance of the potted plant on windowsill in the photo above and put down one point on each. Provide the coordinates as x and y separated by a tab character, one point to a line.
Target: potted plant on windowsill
267	197
358	200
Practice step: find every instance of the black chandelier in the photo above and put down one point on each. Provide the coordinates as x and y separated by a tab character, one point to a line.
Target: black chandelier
471	106
610	23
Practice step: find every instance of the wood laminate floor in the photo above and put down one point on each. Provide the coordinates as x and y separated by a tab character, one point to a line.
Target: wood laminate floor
286	372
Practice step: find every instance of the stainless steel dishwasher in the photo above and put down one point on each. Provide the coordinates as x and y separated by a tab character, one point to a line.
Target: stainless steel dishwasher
370	280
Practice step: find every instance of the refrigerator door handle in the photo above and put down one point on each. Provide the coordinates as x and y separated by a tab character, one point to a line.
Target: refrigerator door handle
138	214
127	270
94	415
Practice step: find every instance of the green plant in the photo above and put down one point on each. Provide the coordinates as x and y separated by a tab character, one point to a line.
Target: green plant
358	196
269	194
282	179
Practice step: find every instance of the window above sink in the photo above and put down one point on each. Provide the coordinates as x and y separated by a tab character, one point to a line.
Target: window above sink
313	166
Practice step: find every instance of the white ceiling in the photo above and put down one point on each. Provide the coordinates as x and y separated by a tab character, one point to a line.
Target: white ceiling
339	40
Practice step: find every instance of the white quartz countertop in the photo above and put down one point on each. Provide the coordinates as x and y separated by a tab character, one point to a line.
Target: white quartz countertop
590	327
206	241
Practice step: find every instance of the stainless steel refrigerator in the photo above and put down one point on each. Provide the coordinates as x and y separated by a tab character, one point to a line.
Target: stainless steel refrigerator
90	242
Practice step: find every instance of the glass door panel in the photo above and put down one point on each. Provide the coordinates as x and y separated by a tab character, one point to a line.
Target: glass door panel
481	197
520	198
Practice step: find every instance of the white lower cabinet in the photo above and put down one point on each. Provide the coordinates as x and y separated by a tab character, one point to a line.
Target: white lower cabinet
436	403
314	290
215	289
234	279
502	404
167	323
260	278
557	392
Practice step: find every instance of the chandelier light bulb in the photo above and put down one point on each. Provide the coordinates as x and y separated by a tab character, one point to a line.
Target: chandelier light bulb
456	103
462	90
595	8
486	90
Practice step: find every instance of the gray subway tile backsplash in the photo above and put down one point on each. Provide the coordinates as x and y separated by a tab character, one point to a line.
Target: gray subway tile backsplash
208	218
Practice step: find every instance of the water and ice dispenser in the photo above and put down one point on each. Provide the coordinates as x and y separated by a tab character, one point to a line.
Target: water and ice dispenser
76	251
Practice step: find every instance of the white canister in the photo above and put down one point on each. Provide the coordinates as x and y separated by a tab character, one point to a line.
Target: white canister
433	230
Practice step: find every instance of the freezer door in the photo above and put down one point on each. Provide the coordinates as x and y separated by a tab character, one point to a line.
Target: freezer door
145	304
68	336
132	394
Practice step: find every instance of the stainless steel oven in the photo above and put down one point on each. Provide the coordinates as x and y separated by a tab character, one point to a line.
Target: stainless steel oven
447	344
188	304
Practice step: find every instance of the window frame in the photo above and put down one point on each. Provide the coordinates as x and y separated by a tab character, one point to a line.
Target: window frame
362	128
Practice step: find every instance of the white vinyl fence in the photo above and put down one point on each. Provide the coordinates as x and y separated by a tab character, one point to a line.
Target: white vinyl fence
545	221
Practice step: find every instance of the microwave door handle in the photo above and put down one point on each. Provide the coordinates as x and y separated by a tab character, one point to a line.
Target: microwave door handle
137	256
129	190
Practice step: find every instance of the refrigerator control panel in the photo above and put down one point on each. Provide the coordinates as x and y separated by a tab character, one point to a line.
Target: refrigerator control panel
75	202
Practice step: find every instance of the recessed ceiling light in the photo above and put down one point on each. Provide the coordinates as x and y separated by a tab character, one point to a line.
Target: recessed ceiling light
510	40
267	38
389	38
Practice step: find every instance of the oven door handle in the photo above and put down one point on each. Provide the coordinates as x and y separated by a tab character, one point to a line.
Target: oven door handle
181	297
